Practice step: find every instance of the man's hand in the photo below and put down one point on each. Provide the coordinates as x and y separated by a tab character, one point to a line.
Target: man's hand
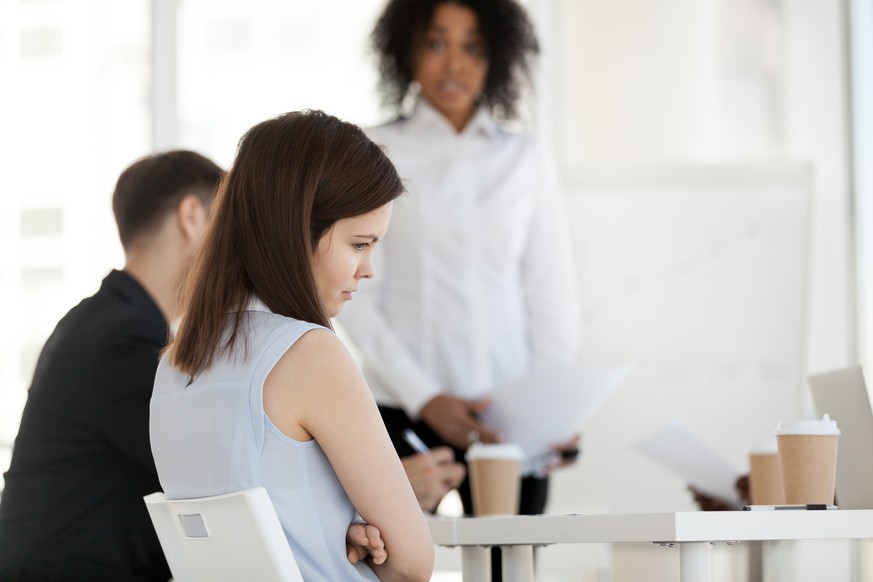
432	475
364	540
454	420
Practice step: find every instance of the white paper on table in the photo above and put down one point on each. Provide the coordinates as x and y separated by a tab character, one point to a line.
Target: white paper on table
549	405
681	451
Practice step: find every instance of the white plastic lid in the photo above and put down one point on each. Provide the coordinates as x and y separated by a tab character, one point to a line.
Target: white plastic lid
502	451
825	426
765	447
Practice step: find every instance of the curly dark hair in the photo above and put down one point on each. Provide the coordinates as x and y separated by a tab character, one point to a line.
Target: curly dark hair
509	38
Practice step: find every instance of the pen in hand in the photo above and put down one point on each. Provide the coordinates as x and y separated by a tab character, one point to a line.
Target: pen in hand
415	442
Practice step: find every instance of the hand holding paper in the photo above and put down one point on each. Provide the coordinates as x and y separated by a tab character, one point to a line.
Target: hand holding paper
456	420
678	449
549	406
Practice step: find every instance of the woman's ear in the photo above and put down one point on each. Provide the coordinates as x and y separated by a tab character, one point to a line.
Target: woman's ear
191	217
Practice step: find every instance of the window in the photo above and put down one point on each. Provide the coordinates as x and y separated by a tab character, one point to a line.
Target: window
74	111
242	62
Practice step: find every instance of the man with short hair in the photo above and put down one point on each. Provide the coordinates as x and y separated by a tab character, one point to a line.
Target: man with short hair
72	508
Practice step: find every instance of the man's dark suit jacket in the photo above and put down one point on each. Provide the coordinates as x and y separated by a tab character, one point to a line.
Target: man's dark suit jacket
72	508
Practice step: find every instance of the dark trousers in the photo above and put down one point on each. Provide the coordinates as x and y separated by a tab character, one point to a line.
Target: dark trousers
534	490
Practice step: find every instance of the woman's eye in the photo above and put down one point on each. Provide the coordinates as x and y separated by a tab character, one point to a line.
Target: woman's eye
360	246
474	49
436	45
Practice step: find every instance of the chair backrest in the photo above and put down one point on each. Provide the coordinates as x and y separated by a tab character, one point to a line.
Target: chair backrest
236	536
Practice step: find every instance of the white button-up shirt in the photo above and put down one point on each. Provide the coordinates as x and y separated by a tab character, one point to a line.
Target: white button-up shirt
474	280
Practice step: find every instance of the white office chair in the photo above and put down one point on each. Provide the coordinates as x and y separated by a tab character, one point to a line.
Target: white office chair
231	537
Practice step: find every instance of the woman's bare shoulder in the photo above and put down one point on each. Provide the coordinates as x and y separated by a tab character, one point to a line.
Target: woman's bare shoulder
318	357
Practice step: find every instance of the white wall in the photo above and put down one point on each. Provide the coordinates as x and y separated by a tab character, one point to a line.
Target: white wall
682	83
862	132
815	114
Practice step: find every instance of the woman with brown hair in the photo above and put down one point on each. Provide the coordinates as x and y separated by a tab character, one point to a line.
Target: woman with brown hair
256	390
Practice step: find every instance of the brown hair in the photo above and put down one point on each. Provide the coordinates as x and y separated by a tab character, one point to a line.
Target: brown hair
152	187
294	176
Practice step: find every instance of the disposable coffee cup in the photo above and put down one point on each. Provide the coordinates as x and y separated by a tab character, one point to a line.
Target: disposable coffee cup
765	476
495	478
808	460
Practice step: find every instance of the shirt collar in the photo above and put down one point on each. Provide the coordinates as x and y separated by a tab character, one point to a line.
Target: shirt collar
425	117
132	290
255	304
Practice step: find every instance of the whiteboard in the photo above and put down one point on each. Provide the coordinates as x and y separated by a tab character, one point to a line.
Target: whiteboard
699	276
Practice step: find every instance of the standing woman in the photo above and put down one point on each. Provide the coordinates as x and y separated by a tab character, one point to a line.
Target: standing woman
478	284
256	390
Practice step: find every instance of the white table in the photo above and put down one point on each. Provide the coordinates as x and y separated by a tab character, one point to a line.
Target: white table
694	532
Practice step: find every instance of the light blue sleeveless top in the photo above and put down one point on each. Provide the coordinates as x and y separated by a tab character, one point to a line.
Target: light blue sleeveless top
212	436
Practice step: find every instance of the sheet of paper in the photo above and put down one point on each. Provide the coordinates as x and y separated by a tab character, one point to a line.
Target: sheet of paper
681	451
549	405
